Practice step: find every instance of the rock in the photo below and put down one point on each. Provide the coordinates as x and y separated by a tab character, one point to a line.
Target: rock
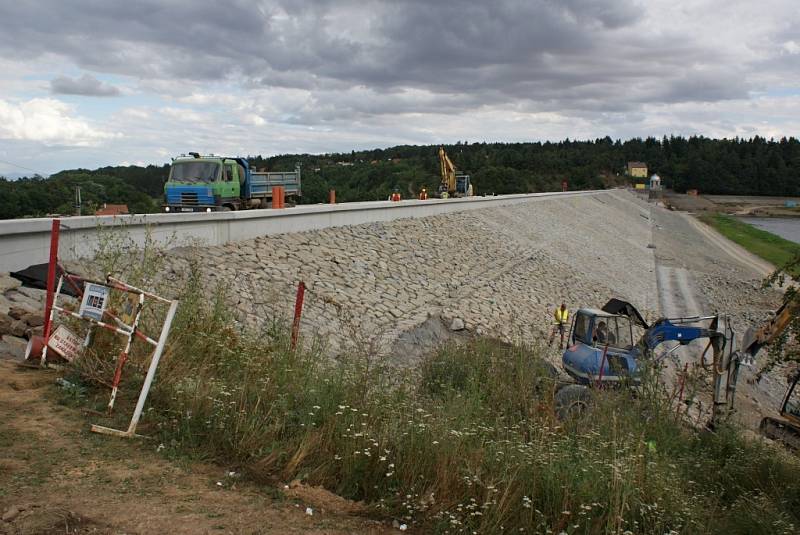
5	304
33	320
34	293
17	328
11	513
5	324
7	282
24	301
18	312
13	346
457	324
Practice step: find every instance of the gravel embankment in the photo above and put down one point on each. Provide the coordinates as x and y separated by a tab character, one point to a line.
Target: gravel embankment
500	270
709	276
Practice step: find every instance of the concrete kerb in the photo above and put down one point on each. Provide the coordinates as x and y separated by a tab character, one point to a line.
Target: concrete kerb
24	242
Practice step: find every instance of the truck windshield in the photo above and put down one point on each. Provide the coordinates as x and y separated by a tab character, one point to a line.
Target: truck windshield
194	171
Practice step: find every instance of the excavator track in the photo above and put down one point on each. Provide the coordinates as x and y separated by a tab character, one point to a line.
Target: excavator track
781	431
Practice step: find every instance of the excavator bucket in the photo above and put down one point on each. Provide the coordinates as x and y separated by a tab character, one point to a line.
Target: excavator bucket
618	306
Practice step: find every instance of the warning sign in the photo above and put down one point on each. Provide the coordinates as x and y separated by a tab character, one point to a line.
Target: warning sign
65	343
127	313
95	300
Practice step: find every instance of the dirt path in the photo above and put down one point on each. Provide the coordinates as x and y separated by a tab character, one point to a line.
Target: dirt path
57	477
759	266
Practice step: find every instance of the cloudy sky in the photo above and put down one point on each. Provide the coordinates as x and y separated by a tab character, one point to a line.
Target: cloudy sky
85	83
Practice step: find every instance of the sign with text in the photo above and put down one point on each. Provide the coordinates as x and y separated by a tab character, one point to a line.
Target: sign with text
65	343
95	300
128	309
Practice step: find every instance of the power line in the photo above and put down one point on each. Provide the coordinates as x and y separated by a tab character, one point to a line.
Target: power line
23	167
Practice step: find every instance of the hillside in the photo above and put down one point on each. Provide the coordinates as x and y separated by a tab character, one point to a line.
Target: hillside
739	166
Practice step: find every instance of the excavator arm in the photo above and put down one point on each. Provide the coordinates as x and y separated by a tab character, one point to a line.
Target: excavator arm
756	338
448	172
726	359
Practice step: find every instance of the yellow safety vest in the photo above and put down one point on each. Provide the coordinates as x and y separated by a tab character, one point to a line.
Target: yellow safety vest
561	315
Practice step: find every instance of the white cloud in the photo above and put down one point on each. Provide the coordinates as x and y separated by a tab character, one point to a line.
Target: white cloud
792	47
345	74
48	121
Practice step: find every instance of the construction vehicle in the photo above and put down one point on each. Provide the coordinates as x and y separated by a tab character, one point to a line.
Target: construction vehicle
610	356
454	184
606	346
215	183
787	428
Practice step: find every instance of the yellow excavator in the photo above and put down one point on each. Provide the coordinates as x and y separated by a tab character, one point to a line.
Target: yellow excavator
785	429
454	184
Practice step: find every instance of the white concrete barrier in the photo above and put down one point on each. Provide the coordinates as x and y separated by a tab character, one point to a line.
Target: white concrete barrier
24	242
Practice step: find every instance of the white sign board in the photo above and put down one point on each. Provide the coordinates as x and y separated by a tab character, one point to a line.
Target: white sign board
65	343
95	299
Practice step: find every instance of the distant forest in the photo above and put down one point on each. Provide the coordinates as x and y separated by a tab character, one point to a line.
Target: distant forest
754	166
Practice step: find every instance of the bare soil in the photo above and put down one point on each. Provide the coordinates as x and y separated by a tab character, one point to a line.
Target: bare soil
732	204
58	477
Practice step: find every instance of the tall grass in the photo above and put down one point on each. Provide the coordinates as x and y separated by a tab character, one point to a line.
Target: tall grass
464	443
772	248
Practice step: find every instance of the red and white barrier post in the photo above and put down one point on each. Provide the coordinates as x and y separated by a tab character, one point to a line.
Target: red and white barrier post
298	312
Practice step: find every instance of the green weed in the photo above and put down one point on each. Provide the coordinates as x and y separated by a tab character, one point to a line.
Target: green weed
465	442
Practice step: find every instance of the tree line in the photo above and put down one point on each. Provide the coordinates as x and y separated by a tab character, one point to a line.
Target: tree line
755	166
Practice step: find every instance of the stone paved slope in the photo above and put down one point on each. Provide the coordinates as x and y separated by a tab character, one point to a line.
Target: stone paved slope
501	270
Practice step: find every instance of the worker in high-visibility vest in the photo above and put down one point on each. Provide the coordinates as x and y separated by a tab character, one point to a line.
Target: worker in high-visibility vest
561	317
423	194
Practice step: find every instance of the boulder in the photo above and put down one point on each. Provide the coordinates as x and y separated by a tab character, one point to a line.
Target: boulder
24	301
457	324
17	328
5	324
18	312
33	320
7	282
5	304
13	346
34	293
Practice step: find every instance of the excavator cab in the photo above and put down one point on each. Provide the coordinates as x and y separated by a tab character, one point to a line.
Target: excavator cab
602	347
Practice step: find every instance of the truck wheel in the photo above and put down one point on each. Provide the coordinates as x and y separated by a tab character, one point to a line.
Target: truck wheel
571	401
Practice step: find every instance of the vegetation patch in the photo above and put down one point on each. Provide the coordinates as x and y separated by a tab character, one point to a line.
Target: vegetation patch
774	249
465	442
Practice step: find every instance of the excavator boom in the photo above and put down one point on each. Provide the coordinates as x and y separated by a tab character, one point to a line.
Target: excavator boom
453	183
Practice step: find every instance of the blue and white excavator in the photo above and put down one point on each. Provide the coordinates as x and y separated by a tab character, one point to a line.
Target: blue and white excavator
609	346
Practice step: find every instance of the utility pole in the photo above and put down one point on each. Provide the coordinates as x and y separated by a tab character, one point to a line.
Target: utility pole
77	200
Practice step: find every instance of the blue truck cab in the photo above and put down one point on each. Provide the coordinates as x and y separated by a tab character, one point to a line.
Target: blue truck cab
211	183
594	332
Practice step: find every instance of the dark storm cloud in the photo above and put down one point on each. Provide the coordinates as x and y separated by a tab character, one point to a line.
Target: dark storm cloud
86	85
544	54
